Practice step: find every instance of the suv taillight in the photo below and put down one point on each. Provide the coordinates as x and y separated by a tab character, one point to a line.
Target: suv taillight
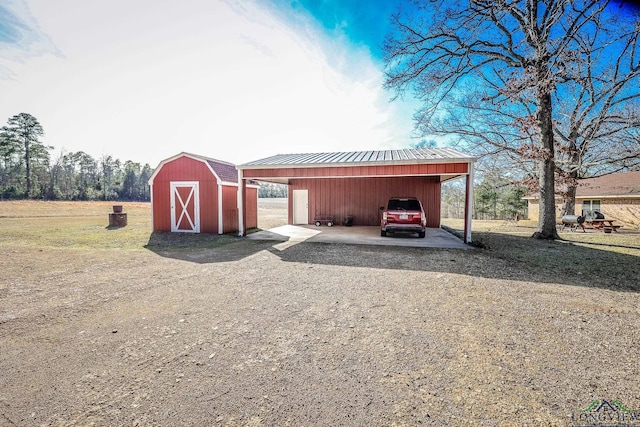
384	215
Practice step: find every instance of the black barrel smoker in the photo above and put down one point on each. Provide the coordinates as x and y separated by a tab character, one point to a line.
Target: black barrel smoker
573	221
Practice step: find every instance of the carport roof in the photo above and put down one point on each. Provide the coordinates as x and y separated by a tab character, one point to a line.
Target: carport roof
445	163
361	158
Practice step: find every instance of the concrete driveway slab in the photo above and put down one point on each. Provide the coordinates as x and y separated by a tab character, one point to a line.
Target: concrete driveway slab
357	235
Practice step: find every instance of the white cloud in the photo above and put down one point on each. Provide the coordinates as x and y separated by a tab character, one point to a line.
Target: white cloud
145	80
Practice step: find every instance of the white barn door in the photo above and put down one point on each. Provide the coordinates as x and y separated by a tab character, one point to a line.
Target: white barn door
301	206
185	206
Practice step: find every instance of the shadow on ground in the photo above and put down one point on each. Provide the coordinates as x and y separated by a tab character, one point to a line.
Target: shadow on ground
507	257
548	262
203	247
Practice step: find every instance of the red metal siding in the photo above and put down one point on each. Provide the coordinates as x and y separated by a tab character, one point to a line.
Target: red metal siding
230	209
230	212
388	170
362	197
251	207
185	169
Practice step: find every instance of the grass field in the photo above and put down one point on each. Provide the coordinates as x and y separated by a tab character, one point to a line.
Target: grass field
626	241
72	225
86	225
609	259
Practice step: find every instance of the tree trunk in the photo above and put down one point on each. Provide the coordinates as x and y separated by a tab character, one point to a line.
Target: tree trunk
570	200
572	183
27	163
546	167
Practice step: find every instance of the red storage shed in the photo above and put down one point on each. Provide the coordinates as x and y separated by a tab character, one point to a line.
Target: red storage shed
197	194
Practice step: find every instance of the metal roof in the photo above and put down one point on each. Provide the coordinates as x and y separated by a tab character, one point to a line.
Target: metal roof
351	158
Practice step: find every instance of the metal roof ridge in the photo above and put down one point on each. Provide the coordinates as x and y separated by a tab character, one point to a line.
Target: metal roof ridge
341	156
411	154
319	157
360	155
298	158
363	156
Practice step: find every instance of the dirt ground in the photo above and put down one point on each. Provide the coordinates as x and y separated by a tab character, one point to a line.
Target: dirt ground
315	335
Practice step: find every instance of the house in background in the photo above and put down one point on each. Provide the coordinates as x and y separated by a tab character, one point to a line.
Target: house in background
616	195
197	194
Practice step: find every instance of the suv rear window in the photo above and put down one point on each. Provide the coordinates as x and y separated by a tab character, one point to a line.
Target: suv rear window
404	204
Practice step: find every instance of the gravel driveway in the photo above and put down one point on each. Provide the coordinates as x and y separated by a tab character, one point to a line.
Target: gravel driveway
314	335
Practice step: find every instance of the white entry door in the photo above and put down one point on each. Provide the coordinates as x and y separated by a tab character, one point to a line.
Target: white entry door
301	206
185	206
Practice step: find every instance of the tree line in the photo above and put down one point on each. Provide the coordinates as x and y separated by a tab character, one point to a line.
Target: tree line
28	171
271	190
493	198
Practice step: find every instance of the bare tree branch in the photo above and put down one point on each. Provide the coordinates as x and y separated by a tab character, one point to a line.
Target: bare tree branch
525	79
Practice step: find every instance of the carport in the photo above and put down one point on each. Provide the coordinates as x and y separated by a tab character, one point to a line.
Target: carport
356	184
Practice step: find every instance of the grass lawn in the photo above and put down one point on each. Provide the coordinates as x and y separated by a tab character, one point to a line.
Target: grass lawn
592	258
492	234
610	260
72	225
85	225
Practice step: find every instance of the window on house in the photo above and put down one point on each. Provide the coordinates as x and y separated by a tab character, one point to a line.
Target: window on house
590	207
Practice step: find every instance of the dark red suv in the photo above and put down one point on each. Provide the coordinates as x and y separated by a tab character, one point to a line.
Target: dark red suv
404	215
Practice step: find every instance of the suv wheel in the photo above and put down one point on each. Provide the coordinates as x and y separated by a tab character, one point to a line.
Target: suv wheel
383	233
421	234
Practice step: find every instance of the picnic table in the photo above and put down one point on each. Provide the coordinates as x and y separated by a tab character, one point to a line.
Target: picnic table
606	225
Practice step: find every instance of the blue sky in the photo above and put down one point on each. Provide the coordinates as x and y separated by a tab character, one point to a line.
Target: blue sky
232	79
362	23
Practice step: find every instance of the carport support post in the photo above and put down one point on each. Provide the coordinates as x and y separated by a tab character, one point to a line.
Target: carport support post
468	205
242	198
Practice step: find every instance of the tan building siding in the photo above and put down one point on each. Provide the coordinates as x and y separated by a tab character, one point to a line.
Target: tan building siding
616	196
533	210
623	210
